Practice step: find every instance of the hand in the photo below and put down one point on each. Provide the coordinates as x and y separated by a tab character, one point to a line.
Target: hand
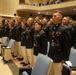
63	61
33	48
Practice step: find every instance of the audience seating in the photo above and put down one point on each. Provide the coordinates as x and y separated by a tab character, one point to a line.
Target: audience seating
72	59
66	70
3	42
6	50
48	47
42	66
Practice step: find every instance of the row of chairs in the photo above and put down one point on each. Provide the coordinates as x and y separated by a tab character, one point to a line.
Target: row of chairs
43	66
72	60
45	62
6	54
42	60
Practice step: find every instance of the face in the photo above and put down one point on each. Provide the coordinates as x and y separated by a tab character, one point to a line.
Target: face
11	22
30	21
37	19
18	20
6	21
37	26
56	17
24	20
0	25
44	21
65	20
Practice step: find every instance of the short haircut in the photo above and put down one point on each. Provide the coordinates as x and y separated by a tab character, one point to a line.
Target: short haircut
58	11
39	23
14	21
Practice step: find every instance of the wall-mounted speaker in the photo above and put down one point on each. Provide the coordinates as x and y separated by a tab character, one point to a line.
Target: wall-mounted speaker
31	15
15	14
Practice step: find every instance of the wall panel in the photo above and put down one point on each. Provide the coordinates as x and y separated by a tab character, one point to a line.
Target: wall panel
8	7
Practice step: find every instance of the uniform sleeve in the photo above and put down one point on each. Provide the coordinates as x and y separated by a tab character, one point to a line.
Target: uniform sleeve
66	41
44	43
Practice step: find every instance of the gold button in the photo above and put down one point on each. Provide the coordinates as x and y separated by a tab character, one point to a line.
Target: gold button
52	43
52	40
52	36
53	33
54	28
57	25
